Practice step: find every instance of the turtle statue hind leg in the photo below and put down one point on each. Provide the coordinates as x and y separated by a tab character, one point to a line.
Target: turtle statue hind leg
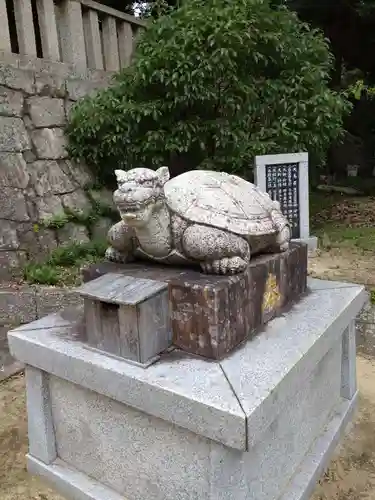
283	231
283	239
217	251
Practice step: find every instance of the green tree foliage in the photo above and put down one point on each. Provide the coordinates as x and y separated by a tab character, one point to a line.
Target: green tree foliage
348	24
212	85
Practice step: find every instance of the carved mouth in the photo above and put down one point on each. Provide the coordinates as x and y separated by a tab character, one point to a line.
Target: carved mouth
132	212
131	209
131	216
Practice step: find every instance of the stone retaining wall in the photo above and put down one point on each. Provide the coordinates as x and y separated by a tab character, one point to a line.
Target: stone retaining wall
23	304
37	179
26	303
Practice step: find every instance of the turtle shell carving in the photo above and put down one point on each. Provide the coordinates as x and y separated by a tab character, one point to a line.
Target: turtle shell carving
221	200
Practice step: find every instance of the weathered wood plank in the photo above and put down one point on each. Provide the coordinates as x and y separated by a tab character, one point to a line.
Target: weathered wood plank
129	333
98	289
113	289
155	333
110	328
120	289
93	322
139	290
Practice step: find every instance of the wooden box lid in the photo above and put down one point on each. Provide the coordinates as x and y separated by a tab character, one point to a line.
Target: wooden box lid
115	288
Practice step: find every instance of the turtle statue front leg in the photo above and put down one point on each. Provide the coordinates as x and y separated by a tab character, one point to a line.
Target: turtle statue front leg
121	239
217	251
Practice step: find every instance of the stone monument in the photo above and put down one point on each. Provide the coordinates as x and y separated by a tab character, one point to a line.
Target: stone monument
285	177
235	383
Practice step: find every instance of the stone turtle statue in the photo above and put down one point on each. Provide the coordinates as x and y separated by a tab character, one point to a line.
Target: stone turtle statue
213	219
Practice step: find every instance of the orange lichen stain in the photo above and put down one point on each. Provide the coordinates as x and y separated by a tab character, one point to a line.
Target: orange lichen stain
272	295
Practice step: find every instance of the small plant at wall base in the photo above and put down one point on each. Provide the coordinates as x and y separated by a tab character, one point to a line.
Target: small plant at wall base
213	84
55	222
64	264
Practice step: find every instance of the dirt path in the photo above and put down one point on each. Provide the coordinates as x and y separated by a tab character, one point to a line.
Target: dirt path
15	482
350	477
344	265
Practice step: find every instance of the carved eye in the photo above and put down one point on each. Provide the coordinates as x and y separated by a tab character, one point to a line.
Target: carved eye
147	182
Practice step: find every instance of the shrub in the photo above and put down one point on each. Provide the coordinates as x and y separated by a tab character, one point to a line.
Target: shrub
213	84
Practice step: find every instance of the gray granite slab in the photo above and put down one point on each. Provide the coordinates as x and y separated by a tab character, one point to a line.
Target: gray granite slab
315	284
208	398
75	484
139	456
63	319
348	362
277	357
143	457
40	425
275	454
70	482
302	485
192	393
259	425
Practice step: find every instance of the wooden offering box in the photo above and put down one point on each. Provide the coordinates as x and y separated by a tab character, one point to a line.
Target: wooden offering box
127	316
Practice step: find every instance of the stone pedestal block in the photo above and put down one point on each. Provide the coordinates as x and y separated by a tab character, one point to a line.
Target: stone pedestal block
211	315
259	425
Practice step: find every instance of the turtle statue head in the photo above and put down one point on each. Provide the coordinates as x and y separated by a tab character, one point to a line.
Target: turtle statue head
140	192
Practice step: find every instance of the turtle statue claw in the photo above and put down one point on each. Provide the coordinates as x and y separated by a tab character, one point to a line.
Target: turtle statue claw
213	219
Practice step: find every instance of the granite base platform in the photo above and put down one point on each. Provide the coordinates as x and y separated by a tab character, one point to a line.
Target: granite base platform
211	315
259	425
311	242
